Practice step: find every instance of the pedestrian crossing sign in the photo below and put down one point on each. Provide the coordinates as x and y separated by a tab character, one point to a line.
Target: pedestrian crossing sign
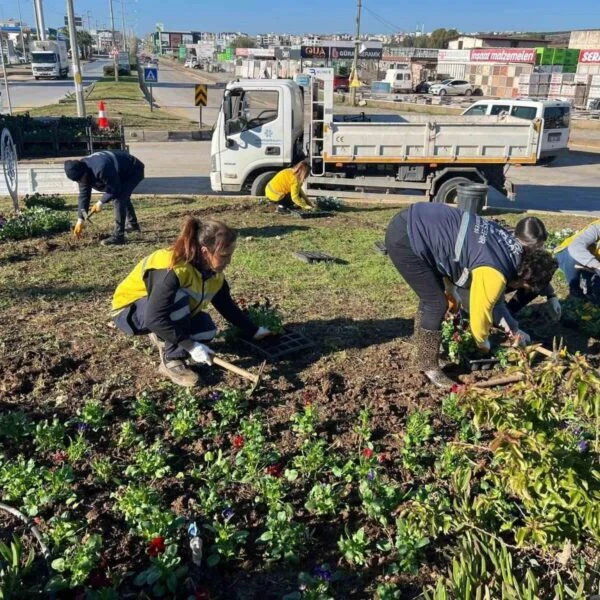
150	75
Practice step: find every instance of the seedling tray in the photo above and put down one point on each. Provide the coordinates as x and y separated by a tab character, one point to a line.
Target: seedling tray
482	364
276	347
380	247
313	257
311	214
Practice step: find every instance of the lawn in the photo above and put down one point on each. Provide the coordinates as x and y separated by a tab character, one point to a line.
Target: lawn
344	476
124	100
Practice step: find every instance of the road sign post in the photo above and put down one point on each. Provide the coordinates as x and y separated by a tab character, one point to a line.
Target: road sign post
201	99
151	77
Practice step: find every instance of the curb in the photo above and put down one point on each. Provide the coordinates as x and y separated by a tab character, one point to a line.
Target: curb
148	135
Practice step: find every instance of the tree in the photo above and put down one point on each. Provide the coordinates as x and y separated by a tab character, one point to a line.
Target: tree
439	38
243	42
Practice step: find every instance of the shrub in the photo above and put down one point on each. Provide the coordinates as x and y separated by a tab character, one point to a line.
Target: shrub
51	201
33	222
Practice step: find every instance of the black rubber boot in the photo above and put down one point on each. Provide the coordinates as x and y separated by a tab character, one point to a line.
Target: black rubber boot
113	240
427	356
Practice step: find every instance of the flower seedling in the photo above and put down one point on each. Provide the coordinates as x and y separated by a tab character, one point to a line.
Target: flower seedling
355	547
228	540
166	573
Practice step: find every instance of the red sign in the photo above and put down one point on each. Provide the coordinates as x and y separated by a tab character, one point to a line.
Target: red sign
503	55
242	51
589	56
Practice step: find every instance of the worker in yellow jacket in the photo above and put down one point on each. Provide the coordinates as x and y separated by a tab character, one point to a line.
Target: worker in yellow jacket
430	242
286	188
167	294
580	250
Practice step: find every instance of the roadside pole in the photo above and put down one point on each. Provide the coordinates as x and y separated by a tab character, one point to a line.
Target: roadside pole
354	73
4	72
151	99
75	58
200	119
114	47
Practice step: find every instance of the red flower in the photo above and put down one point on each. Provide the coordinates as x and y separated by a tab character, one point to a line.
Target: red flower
37	521
382	458
60	456
456	389
367	453
238	441
274	470
202	594
156	546
456	336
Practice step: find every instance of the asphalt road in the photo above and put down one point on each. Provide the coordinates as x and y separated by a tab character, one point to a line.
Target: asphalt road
175	93
26	92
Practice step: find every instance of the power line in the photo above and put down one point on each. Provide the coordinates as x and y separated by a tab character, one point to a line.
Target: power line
383	20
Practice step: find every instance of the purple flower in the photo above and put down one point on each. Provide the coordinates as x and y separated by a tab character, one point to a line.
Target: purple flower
583	446
577	431
83	427
323	573
214	396
371	475
227	514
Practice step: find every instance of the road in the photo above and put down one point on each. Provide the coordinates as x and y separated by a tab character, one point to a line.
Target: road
26	92
175	93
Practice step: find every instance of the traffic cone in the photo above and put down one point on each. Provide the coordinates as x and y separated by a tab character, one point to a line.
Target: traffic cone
102	120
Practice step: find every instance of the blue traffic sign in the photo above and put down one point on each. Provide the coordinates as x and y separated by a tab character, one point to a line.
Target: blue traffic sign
150	75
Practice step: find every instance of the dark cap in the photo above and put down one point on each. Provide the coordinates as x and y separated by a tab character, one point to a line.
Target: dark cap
75	169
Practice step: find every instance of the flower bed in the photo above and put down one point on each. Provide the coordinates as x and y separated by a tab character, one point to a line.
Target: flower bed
33	222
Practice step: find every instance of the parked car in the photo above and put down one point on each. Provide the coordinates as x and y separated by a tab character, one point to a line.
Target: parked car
422	87
191	62
451	87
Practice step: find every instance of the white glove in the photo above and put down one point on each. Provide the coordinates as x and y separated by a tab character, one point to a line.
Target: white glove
201	354
261	333
484	346
521	338
554	308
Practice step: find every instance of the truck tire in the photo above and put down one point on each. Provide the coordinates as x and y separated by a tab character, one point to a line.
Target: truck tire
259	185
37	78
448	191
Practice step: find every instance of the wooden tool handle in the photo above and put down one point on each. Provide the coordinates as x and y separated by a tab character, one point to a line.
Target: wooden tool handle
239	371
501	381
541	350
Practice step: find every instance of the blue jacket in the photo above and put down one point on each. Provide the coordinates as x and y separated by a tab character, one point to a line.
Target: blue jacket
455	242
110	171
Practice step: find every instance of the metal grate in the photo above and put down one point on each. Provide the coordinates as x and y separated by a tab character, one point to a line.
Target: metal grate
311	214
275	348
482	364
312	257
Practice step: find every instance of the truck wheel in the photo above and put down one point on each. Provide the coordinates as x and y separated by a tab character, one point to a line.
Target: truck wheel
37	78
259	185
447	192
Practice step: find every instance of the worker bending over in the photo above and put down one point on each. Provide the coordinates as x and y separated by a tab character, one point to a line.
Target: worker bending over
286	188
116	173
167	294
429	242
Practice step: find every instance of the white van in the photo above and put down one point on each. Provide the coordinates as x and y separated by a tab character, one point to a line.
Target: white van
555	113
400	80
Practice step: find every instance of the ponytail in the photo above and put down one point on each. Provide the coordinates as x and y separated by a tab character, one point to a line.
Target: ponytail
301	171
215	236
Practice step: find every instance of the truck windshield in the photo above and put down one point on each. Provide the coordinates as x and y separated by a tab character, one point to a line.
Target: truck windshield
43	57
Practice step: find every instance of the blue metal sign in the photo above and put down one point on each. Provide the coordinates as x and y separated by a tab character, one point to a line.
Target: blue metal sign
150	75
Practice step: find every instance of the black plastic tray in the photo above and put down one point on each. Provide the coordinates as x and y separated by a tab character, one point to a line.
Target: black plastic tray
276	347
482	364
312	257
311	214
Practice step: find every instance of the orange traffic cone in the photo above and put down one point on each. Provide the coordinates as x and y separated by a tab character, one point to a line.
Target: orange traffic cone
102	120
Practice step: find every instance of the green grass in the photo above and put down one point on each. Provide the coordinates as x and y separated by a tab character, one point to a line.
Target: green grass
124	100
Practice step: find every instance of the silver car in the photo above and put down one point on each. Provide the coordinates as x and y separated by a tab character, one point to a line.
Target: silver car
452	87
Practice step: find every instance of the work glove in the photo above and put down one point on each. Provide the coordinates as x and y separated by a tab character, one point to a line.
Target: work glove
79	227
262	333
521	338
452	297
554	308
96	208
484	347
201	354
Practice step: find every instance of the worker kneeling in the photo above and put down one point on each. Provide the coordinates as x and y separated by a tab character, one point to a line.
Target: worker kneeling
167	294
286	188
430	242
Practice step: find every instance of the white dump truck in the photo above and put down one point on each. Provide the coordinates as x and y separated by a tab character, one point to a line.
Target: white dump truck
49	58
262	129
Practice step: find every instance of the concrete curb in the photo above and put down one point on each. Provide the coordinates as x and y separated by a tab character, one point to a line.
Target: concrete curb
148	135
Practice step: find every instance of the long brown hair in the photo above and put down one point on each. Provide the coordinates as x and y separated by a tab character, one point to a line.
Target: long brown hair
215	236
301	171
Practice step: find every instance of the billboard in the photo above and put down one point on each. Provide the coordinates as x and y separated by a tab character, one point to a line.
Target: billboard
454	56
590	56
503	55
338	50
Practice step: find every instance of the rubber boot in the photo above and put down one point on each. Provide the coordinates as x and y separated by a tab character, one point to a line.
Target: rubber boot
428	351
113	240
178	372
159	344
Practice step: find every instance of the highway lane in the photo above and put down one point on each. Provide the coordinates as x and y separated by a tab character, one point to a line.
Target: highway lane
26	92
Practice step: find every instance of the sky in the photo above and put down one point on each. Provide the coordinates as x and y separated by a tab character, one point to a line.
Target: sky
317	16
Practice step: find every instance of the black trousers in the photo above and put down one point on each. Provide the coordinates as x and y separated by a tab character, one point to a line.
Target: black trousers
425	281
124	211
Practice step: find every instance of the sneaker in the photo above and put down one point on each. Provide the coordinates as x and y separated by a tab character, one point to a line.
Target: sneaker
158	343
282	210
113	241
133	229
178	372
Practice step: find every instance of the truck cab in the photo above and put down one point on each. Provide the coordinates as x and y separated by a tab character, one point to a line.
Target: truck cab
259	131
49	59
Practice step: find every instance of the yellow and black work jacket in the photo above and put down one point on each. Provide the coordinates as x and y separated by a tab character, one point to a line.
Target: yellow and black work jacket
154	279
285	183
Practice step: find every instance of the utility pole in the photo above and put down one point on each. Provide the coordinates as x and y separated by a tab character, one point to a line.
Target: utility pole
4	72
354	74
39	11
75	58
21	23
114	47
123	34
